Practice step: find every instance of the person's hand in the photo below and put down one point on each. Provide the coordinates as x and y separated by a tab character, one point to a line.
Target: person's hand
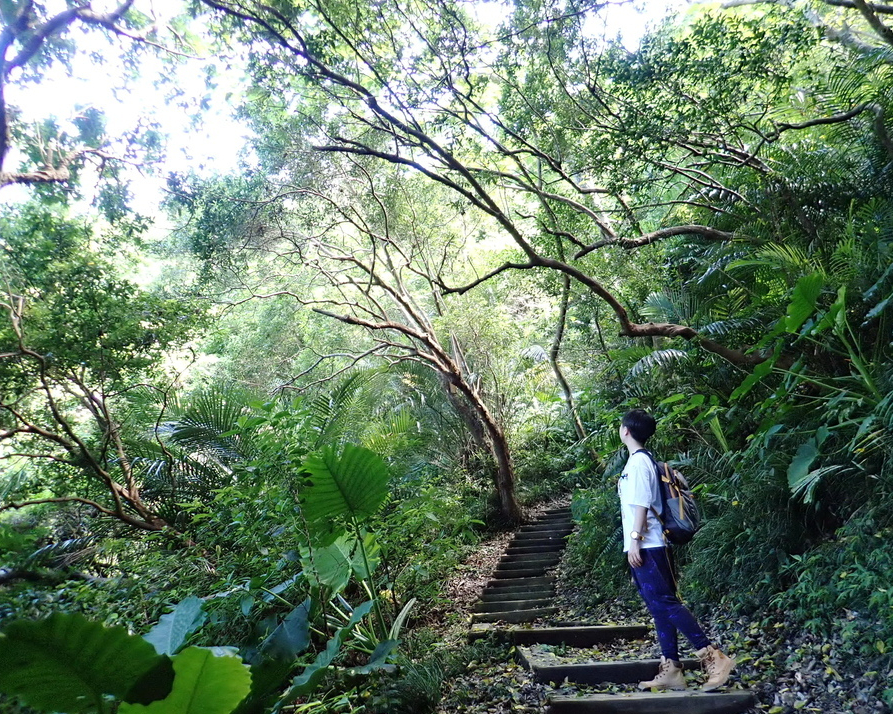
634	554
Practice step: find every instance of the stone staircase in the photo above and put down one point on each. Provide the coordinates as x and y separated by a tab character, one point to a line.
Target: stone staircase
522	590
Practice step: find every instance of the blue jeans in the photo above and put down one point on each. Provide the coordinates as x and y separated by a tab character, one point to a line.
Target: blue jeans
654	580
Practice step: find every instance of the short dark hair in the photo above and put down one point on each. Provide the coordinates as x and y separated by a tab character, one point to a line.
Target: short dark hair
640	424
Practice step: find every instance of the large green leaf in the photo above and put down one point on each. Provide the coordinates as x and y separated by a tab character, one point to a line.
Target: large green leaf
172	629
312	675
66	663
760	371
799	467
353	483
801	480
206	681
267	679
803	300
330	565
379	657
291	637
835	313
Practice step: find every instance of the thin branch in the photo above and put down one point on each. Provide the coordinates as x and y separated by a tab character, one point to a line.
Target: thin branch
875	7
353	357
125	517
884	32
631	243
501	269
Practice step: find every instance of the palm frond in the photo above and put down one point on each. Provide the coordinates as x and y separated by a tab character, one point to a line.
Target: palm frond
205	423
787	257
337	410
384	436
65	552
732	326
534	353
665	359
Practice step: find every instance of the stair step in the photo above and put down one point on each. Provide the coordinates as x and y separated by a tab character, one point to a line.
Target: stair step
534	580
556	547
558	543
545	669
505	594
538	527
515	616
573	636
520	585
688	702
531	558
511	605
515	573
539	538
557	521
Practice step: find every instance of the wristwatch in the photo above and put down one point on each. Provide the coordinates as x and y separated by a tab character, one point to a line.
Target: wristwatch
635	535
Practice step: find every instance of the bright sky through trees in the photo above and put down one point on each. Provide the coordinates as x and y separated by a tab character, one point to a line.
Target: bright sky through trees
195	117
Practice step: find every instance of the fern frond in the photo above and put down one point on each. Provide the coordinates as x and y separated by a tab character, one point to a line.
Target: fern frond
731	326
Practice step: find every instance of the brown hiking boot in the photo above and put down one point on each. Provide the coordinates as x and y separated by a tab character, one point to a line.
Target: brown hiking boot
669	676
717	666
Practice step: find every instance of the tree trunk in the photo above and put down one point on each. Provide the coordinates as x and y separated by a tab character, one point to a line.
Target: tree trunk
477	415
556	368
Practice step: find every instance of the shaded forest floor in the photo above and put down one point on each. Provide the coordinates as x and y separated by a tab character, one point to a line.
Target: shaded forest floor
789	670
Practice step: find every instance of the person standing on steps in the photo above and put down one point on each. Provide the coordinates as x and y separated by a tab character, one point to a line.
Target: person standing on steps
649	560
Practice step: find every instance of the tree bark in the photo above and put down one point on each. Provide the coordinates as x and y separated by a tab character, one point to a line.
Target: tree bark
504	477
476	414
553	360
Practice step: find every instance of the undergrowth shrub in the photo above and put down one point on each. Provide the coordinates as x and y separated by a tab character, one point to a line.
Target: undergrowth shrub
425	669
547	467
593	557
738	555
846	586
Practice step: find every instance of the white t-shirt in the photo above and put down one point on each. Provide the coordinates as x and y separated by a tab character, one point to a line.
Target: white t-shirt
637	486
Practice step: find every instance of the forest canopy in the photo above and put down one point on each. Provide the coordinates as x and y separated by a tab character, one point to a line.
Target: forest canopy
462	240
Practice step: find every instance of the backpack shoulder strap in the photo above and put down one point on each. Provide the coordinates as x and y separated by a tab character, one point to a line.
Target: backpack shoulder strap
660	492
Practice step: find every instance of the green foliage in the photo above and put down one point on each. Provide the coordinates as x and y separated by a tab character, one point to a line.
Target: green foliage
730	119
206	680
169	635
67	663
351	484
844	585
79	311
312	675
594	549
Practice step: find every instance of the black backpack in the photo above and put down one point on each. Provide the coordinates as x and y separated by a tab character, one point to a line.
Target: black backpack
679	514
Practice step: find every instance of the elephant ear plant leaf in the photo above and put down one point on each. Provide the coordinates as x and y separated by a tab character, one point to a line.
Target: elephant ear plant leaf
207	681
291	636
172	629
274	659
312	675
352	484
66	663
329	565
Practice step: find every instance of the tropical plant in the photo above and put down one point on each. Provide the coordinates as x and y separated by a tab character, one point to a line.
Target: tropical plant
68	664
